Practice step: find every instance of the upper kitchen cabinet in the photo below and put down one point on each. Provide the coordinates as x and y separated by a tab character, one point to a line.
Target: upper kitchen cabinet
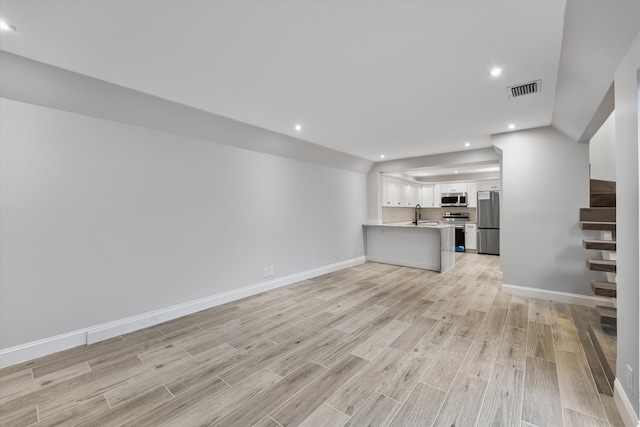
437	195
491	185
472	195
391	189
399	193
454	187
427	196
411	194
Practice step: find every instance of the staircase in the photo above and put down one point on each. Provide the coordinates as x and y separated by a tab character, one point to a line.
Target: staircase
601	216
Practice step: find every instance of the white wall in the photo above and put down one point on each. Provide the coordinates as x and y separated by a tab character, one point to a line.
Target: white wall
602	151
102	220
33	82
627	98
545	182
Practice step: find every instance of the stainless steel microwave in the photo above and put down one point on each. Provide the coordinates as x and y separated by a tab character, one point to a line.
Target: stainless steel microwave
453	199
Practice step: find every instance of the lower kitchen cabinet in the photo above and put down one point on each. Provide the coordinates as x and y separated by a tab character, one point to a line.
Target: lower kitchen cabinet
470	236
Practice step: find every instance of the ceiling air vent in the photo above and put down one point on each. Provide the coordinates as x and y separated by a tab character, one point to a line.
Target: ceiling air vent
525	89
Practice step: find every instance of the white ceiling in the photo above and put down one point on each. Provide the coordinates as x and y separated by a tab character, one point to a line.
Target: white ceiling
400	78
492	168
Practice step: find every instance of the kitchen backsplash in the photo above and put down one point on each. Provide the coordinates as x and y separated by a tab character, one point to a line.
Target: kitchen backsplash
390	215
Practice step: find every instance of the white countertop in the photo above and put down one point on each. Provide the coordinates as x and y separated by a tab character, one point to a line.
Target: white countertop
427	224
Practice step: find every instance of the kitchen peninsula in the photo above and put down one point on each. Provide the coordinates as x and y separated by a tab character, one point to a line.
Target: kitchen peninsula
428	245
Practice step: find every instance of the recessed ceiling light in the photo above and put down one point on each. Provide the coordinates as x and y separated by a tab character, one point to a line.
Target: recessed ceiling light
298	127
5	26
495	72
511	126
467	144
382	156
455	171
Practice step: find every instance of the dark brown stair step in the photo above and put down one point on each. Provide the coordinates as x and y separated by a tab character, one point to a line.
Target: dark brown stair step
598	214
603	245
604	289
607	265
608	315
598	225
600	186
600	200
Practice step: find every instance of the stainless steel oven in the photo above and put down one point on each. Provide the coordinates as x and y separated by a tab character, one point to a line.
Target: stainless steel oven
458	220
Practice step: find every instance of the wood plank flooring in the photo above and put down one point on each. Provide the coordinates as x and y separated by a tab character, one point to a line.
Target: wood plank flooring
373	345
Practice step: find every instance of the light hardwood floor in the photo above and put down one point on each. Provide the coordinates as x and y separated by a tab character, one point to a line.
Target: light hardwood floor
374	345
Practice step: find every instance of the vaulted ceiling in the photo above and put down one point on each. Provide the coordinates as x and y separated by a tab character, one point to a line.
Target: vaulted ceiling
399	78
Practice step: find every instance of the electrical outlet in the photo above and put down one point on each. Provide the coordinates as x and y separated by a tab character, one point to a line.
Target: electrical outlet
266	272
630	379
271	271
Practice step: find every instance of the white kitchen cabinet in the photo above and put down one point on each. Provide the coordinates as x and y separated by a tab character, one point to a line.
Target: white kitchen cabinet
417	194
454	187
470	236
405	194
492	185
472	195
406	199
399	193
427	196
437	195
390	192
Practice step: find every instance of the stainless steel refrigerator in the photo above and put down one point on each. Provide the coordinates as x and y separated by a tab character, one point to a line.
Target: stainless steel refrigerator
489	222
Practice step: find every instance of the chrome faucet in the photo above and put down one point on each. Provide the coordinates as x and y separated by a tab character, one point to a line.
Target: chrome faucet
417	214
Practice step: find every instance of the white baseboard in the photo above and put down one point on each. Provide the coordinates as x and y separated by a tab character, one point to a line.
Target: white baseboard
557	296
32	350
35	349
625	408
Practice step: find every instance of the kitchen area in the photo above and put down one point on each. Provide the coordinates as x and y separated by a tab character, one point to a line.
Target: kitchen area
463	210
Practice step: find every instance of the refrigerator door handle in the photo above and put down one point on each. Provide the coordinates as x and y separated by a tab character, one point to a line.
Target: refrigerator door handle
495	208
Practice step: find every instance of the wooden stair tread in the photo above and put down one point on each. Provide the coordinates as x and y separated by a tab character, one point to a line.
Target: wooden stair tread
608	316
602	193
607	311
606	245
598	225
598	214
602	261
601	200
604	289
605	344
608	265
601	186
